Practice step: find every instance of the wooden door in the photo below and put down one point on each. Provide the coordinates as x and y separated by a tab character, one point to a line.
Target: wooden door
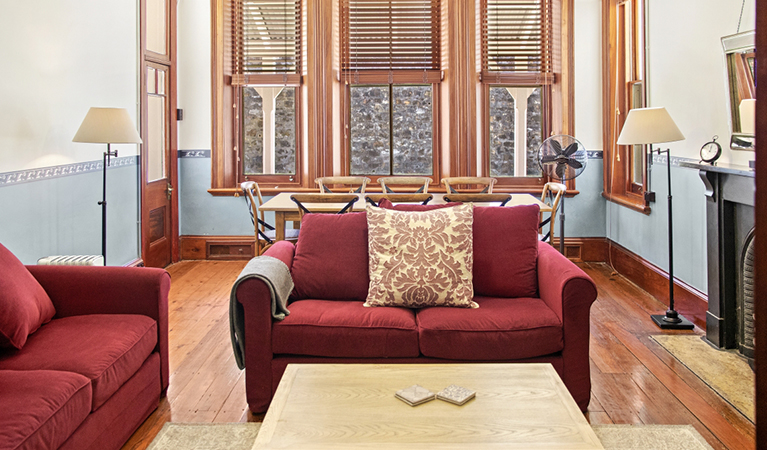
159	201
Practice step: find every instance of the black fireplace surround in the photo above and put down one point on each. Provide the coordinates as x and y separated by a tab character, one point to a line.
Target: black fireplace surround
730	194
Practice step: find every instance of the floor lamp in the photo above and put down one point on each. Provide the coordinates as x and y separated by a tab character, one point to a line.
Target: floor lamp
107	126
654	126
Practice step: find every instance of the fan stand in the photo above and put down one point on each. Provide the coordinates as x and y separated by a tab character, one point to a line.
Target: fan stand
562	226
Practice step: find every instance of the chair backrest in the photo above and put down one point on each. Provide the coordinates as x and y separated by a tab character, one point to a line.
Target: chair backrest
502	199
343	201
374	199
421	184
254	200
351	184
551	195
452	183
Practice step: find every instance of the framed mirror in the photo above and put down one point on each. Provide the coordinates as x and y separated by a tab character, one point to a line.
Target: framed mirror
740	64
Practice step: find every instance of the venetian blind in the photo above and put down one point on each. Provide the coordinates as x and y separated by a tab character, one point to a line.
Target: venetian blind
393	35
517	38
266	39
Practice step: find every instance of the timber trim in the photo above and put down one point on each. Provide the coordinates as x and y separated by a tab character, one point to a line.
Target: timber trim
688	300
204	247
584	250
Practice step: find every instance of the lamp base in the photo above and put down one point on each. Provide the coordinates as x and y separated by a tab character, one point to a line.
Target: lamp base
666	322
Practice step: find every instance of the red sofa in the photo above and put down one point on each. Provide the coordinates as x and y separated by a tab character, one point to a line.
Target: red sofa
533	306
83	353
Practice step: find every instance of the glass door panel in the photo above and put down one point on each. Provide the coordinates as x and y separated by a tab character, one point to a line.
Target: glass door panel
157	26
157	145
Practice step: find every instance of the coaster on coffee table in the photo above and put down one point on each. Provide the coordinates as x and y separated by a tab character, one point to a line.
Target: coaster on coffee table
415	395
456	394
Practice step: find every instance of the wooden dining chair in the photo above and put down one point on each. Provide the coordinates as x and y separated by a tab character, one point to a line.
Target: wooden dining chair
420	183
501	199
354	185
452	183
375	199
346	201
264	233
551	195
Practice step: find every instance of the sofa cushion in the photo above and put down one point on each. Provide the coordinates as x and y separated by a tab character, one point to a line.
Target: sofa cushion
41	408
387	204
500	329
420	259
106	348
331	259
24	304
506	251
345	329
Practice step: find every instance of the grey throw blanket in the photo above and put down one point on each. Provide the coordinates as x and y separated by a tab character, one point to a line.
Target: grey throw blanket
277	277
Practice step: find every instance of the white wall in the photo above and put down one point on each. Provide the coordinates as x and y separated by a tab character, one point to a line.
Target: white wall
194	84
59	58
588	73
686	71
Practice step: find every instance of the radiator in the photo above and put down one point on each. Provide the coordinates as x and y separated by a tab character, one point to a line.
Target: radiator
71	260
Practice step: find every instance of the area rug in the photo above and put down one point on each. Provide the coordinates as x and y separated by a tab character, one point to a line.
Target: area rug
725	371
236	436
206	436
656	437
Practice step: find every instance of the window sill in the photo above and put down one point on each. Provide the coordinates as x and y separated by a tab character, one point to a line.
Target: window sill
628	202
234	192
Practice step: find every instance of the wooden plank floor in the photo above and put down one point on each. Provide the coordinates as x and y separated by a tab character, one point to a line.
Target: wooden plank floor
634	380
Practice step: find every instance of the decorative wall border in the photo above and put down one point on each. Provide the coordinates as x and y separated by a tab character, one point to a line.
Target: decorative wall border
675	160
64	170
194	153
594	154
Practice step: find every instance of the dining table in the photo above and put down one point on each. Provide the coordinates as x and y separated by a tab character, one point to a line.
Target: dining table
285	210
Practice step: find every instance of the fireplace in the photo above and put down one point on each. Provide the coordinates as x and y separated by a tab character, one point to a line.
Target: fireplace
730	192
746	298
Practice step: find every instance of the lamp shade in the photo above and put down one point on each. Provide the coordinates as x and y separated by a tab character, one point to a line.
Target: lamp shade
107	126
649	126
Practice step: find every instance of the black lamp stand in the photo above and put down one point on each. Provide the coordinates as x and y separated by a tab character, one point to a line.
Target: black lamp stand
107	159
671	320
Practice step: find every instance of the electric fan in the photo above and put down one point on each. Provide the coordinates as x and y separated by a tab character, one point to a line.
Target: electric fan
562	157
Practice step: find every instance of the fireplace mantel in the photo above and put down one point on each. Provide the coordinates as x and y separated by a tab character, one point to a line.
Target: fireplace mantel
730	194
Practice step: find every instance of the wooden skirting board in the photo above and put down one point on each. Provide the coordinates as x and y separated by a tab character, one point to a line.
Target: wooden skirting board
689	301
217	247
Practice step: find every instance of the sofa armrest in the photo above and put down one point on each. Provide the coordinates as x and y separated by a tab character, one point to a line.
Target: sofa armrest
256	302
284	251
562	284
79	290
569	292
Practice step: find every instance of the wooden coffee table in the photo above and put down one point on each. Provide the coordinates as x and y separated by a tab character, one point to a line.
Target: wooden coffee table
332	406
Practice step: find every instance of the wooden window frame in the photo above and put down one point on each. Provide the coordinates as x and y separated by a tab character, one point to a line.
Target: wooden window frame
350	75
457	95
625	72
227	145
557	90
346	122
238	125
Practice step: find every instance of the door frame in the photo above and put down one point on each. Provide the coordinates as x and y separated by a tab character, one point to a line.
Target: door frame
169	61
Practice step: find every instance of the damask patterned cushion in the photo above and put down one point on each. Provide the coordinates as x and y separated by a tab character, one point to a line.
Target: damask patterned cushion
420	258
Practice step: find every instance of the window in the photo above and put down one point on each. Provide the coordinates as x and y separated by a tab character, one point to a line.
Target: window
387	87
517	79
625	179
390	63
267	65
